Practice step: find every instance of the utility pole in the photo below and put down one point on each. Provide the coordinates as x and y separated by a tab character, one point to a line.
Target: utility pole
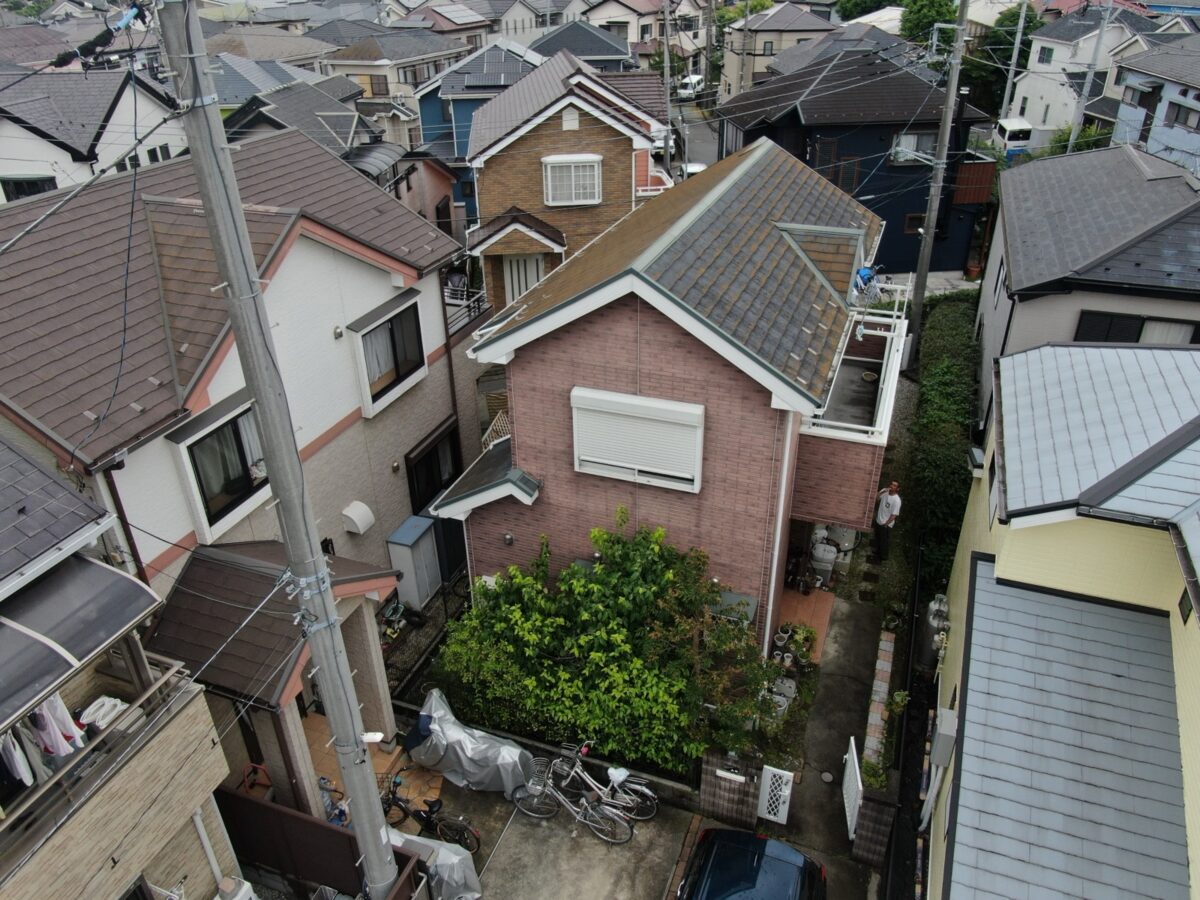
667	154
310	585
1012	63
938	176
1077	121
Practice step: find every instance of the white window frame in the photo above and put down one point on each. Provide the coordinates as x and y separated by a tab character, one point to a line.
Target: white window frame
908	143
373	406
573	160
651	409
207	532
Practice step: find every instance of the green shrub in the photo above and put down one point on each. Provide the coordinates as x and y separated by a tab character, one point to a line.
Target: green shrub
874	775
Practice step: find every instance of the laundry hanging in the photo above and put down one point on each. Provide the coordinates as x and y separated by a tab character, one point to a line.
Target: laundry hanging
33	753
48	735
14	759
57	711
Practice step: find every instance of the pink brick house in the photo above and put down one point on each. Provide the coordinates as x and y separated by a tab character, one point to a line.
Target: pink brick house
702	364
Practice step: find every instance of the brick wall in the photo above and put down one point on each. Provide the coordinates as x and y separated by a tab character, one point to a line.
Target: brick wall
631	348
836	481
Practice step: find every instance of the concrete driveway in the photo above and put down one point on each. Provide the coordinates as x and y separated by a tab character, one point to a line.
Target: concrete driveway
553	859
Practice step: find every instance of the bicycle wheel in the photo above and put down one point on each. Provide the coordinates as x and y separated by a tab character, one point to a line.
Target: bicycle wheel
607	824
394	813
568	784
540	805
457	831
639	806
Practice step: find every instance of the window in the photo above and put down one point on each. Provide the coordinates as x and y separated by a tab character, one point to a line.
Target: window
414	136
379	86
646	33
1024	105
571	180
640	439
164	152
993	490
433	465
466	188
913	223
998	284
1045	55
1183	116
1185	606
393	350
229	466
847	174
447	111
152	154
1131	95
908	144
1114	327
18	188
474	41
768	48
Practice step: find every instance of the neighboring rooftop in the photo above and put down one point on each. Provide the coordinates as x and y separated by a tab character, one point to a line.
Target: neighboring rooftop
237	79
53	334
1059	229
490	476
852	37
401	44
1179	61
266	42
1069	775
645	89
488	70
310	109
718	245
344	32
886	19
1085	20
584	40
784	17
23	44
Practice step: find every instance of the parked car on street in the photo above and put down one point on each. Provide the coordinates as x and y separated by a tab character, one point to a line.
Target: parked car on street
727	864
689	86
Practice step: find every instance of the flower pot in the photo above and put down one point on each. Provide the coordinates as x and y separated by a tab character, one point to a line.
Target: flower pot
787	659
777	656
785	630
780	640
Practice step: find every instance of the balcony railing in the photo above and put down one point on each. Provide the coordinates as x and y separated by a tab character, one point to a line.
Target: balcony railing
501	427
44	808
462	307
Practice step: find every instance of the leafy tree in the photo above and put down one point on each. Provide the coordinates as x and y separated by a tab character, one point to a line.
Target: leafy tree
916	24
985	68
677	62
852	9
1091	137
626	652
727	15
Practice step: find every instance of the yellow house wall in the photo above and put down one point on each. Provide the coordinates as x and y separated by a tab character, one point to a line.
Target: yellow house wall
1185	646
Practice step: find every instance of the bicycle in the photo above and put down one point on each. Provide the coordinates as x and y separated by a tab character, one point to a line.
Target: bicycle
630	796
540	799
397	810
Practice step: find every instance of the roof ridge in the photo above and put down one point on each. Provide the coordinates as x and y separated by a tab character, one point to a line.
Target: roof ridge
1148	231
1142	464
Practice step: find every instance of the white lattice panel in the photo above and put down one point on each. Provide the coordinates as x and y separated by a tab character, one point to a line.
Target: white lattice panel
775	794
852	788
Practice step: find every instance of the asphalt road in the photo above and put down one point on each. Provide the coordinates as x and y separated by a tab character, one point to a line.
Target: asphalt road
701	137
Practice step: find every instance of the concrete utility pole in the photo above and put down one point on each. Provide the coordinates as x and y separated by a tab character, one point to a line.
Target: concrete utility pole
211	161
1077	121
667	78
939	175
1012	63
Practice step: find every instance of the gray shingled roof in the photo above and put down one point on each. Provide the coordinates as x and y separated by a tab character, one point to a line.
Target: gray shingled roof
266	42
237	79
25	44
789	17
1162	483
490	69
850	87
59	345
70	109
854	37
38	511
402	44
308	108
721	253
492	468
583	39
1178	61
1069	774
1084	21
1071	416
1058	227
344	32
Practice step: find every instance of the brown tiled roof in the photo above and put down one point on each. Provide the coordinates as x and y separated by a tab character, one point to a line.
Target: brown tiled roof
720	251
644	89
266	42
514	215
63	285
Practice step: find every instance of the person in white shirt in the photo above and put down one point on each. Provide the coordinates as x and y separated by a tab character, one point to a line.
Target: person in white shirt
885	518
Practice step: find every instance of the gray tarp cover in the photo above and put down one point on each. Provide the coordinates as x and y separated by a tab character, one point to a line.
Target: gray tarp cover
451	871
469	757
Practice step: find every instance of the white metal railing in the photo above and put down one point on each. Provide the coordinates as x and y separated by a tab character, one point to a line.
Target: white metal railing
462	306
500	428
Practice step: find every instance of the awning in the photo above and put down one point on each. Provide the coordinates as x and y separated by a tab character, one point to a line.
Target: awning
61	622
374	159
491	477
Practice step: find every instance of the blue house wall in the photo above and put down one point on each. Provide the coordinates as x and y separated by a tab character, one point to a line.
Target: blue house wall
434	126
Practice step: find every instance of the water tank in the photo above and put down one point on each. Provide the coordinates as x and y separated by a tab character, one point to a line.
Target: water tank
823	558
846	539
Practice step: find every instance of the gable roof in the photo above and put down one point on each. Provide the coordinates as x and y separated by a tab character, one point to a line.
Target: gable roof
1068	776
308	108
584	40
846	88
1072	416
60	347
515	218
402	44
784	17
344	32
237	79
1082	22
1058	227
70	109
644	89
852	37
718	247
488	70
1177	61
31	44
265	42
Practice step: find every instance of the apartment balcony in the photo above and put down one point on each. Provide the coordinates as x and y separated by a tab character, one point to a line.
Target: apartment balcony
463	306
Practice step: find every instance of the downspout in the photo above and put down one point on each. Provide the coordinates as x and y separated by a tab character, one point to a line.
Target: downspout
213	865
449	348
782	509
111	484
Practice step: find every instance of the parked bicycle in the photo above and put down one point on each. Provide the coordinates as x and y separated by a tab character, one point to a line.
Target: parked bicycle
540	799
397	810
624	793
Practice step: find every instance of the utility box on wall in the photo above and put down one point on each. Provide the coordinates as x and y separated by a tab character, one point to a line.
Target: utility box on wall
412	548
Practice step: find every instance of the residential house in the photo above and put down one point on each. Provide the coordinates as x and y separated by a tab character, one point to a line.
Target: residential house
344	32
1046	95
448	103
640	23
57	129
603	50
237	79
1102	110
266	42
126	808
1068	733
885	19
455	20
1160	106
31	45
868	122
751	43
701	365
558	158
849	37
352	287
519	20
1064	268
391	66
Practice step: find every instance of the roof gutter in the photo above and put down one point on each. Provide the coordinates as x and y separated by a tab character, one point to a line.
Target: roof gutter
1190	581
42	564
117	455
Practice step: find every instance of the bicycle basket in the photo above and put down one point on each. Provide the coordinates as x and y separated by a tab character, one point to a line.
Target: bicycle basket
539	775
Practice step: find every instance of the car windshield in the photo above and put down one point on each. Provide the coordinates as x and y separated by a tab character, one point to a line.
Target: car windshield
739	873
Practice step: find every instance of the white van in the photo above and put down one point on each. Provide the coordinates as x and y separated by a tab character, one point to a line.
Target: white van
689	87
1012	136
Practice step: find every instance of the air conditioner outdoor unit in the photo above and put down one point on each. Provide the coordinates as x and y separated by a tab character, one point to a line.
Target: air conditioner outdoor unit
412	548
944	735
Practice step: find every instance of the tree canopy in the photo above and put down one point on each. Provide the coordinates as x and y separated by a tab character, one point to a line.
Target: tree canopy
852	9
916	24
985	69
626	652
727	15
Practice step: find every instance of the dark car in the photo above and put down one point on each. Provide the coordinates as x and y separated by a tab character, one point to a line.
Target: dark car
736	865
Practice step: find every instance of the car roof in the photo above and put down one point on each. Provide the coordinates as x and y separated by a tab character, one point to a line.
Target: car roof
750	867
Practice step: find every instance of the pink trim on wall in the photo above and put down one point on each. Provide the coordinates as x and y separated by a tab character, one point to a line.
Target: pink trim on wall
184	545
313	447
